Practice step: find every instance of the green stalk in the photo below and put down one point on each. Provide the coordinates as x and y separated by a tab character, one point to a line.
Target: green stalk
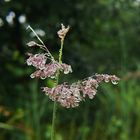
61	51
55	104
54	115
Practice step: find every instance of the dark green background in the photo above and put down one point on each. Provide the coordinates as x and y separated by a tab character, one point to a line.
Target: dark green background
104	38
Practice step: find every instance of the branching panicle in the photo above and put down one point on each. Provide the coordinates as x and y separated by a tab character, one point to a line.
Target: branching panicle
47	67
71	95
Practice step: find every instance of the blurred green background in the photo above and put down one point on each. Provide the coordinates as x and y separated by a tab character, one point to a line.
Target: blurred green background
104	38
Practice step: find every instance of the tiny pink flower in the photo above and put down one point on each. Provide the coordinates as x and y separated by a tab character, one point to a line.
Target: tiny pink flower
66	68
89	87
63	31
37	60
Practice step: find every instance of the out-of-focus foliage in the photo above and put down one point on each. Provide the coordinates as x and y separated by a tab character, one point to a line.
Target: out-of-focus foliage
104	38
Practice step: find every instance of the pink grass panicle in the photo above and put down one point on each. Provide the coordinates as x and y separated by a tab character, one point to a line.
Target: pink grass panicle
67	95
44	69
48	70
37	60
63	31
71	95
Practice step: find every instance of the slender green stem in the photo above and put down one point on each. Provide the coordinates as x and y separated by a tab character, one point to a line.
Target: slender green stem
53	120
29	27
54	114
61	51
55	104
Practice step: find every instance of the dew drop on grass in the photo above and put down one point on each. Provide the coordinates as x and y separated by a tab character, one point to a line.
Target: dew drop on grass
32	76
43	77
31	43
106	80
48	54
66	72
29	63
114	82
52	77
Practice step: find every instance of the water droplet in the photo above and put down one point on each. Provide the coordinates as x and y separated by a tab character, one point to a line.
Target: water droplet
52	77
41	67
66	72
29	63
114	82
106	80
32	76
90	96
31	44
43	77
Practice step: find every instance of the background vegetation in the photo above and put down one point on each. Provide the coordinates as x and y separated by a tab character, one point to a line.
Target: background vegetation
104	38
